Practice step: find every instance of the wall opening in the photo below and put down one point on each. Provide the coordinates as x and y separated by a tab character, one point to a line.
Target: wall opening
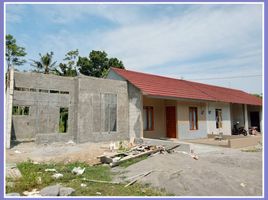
63	121
20	110
218	116
109	112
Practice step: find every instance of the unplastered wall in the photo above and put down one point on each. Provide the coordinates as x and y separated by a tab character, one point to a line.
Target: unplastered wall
89	107
158	105
44	107
211	118
135	103
183	124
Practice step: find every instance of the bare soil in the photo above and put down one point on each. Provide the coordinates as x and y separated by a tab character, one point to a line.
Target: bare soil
224	172
56	152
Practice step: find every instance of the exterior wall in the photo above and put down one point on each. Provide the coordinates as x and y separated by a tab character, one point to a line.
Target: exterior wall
135	100
114	76
211	118
237	114
159	118
183	126
81	95
90	107
44	108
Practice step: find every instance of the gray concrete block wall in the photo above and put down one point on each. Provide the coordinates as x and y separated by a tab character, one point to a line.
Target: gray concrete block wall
83	102
89	109
135	112
44	108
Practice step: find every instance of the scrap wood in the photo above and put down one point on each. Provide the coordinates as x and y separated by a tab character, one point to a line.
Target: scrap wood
113	164
100	181
129	178
139	177
171	148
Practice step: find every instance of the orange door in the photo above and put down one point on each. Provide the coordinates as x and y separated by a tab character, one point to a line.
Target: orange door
171	121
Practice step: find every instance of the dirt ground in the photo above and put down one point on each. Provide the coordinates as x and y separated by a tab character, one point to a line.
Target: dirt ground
218	171
56	152
223	172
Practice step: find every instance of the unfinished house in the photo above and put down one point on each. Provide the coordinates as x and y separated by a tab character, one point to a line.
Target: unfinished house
49	108
161	107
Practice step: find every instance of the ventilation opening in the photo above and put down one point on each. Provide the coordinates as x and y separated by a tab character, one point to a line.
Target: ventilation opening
63	122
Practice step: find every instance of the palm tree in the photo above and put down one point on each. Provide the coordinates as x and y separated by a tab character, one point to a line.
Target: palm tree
45	64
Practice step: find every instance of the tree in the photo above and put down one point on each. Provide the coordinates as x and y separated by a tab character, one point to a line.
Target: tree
69	68
45	64
14	53
97	64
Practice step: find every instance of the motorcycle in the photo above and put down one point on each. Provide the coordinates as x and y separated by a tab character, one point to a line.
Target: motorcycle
239	131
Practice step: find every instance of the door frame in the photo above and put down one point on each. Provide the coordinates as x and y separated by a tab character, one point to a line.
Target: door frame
175	121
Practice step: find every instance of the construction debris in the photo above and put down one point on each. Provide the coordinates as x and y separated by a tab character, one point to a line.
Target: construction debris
135	152
78	170
50	170
138	177
13	172
17	151
99	181
57	175
33	193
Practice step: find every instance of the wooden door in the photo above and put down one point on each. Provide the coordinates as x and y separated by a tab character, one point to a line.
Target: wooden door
171	121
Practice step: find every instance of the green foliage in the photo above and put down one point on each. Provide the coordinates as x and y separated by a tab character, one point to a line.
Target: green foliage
14	53
63	122
33	173
20	110
45	64
97	64
258	95
69	67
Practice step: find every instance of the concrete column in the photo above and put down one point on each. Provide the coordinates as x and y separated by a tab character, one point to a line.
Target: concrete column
9	105
246	116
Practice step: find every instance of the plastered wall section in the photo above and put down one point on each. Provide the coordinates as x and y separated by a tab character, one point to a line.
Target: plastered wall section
44	107
183	124
158	105
89	115
211	118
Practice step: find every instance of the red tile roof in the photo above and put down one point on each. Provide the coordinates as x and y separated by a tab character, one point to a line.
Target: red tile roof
169	87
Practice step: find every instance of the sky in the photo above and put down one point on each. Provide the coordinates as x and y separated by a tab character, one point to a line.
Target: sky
213	44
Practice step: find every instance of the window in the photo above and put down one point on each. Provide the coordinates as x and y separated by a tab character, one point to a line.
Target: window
218	115
193	118
63	121
109	112
20	110
148	118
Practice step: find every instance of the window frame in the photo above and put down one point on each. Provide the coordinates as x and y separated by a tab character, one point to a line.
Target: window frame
192	123
149	109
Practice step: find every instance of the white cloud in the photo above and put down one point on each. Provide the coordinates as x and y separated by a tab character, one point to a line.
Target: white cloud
182	44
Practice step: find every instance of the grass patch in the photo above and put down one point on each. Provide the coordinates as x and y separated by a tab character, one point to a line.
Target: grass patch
33	173
132	161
